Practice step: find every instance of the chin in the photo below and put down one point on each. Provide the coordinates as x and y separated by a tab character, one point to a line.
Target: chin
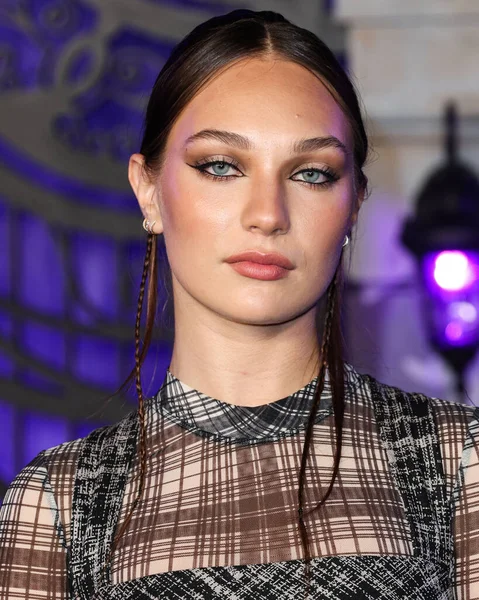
260	316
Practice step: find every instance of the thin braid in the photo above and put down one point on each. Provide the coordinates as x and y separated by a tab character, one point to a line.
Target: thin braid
338	410
149	272
337	381
309	429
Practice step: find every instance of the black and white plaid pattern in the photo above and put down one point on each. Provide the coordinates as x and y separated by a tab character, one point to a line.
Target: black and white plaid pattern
213	418
218	518
333	578
409	435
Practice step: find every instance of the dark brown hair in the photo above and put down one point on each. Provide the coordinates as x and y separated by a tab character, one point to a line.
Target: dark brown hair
213	45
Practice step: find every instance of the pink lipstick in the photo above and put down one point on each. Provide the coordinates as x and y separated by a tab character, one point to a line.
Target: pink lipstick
258	265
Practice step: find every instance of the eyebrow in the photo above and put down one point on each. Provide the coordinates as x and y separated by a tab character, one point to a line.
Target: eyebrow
243	143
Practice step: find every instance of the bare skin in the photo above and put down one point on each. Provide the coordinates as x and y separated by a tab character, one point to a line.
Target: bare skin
241	340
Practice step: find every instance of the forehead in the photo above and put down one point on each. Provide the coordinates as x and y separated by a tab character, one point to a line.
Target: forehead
270	100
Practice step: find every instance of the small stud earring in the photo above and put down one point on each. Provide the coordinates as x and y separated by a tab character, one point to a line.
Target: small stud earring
147	227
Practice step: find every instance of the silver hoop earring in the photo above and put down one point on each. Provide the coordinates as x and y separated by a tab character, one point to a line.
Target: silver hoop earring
147	227
346	241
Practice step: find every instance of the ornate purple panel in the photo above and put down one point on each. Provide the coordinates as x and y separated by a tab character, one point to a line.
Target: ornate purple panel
42	285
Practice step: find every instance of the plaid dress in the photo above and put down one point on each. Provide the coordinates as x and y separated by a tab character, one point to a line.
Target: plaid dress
218	518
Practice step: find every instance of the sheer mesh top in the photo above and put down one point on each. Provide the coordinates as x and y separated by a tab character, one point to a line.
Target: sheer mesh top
218	518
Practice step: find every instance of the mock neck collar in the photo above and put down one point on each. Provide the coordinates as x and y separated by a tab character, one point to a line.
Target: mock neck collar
209	417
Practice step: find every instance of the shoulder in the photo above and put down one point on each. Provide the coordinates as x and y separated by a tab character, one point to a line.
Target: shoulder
63	459
47	482
447	413
456	424
29	506
27	487
43	483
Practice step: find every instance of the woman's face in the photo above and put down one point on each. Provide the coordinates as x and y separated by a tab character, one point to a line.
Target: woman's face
259	192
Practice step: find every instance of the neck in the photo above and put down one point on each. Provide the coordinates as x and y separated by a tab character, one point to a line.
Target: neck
243	364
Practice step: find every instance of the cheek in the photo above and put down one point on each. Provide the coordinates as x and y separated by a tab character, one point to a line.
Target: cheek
178	201
192	202
191	221
332	218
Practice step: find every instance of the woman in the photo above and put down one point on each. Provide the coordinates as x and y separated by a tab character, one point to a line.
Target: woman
265	467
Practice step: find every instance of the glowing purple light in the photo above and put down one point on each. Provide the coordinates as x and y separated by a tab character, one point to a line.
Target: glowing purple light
454	331
452	270
464	311
452	302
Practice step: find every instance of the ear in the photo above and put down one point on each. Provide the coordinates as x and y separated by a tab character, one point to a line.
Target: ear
146	191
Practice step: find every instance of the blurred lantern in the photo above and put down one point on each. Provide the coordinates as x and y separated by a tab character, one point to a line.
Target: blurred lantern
443	234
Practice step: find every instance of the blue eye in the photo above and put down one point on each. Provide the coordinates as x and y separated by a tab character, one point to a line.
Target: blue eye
317	177
220	168
312	177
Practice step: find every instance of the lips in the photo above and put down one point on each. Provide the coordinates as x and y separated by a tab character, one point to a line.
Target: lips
271	258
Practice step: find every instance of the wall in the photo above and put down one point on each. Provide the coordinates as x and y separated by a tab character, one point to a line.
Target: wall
408	59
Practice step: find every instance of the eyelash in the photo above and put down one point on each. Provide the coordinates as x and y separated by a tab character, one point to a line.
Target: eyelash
201	167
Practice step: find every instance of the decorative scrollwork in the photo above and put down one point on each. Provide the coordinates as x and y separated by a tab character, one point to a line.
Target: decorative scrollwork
106	117
34	35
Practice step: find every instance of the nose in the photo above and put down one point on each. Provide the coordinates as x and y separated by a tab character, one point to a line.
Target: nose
266	208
